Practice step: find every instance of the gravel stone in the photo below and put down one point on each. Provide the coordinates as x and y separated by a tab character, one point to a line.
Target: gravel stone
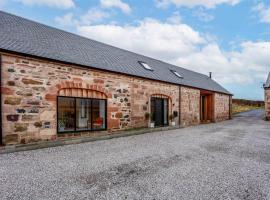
227	160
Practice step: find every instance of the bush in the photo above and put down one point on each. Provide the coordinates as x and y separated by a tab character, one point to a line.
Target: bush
147	115
171	117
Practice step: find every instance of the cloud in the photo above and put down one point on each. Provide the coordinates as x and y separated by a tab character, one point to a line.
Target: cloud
66	20
124	7
246	66
193	3
263	11
180	44
202	15
92	16
64	4
149	37
175	18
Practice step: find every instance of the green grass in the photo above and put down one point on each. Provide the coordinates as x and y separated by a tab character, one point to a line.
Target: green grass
236	108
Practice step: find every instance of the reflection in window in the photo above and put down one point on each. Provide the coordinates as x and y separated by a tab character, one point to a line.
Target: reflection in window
98	110
145	65
81	114
159	111
153	108
66	114
176	74
165	105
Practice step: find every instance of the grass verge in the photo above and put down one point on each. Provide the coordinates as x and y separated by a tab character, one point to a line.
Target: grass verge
236	108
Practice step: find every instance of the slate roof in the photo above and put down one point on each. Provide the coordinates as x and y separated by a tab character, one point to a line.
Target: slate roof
267	83
31	38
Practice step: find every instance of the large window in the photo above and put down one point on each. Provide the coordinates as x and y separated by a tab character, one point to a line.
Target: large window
98	113
81	114
66	114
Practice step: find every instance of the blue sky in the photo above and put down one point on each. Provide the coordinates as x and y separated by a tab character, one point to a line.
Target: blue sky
230	38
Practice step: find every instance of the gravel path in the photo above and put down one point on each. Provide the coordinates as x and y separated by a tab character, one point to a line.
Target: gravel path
227	160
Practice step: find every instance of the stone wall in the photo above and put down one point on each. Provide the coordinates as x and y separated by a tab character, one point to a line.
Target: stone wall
267	104
142	90
222	107
190	106
30	88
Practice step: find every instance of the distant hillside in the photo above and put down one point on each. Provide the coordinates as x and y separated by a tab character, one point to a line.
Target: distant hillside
243	105
248	102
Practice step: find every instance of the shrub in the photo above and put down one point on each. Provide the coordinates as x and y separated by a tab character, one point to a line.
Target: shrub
171	117
147	115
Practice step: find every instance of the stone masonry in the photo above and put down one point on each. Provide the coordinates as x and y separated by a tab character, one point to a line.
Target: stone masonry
222	107
190	106
30	88
267	104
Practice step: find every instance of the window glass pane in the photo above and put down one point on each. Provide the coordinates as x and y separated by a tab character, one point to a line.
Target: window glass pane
83	114
98	114
145	65
66	114
165	111
152	109
177	74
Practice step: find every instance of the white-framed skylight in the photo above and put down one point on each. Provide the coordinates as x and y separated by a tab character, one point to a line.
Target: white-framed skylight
145	65
177	74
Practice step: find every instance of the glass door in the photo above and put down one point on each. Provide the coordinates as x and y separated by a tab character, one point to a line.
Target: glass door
159	110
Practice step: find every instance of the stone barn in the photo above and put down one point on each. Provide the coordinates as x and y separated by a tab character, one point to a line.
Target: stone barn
267	98
56	84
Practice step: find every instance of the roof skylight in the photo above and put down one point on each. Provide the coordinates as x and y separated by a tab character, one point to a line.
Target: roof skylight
145	65
177	74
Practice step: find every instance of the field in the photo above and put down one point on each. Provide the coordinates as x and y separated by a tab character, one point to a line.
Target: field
241	105
243	108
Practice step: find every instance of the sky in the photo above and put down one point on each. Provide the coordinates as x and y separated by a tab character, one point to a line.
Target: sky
230	38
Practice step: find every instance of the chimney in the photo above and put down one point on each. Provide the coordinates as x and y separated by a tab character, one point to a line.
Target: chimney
210	74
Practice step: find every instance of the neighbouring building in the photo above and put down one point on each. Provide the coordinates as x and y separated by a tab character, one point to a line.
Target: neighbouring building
56	84
267	98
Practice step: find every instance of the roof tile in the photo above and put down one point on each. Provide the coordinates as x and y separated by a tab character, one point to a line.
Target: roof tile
32	38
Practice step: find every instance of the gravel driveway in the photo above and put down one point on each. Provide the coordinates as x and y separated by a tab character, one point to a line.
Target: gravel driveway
227	160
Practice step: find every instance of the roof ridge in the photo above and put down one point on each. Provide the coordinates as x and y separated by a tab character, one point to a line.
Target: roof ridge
129	51
91	53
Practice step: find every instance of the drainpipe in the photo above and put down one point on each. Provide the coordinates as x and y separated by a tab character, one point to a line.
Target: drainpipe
1	131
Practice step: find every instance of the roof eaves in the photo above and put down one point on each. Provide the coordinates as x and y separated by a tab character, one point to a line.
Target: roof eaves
194	79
